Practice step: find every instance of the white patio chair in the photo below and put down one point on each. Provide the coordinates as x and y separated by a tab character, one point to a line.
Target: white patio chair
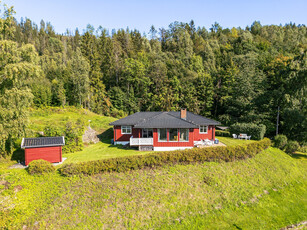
198	143
234	136
248	137
208	142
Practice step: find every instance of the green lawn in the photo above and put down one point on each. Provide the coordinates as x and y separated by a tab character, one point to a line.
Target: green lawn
231	141
104	150
101	150
264	192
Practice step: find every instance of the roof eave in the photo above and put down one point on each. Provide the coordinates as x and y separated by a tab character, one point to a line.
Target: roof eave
39	146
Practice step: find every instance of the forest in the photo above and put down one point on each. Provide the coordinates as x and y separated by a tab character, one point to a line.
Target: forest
256	74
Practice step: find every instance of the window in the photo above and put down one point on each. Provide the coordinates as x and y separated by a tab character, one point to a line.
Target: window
147	133
184	134
126	129
162	135
173	134
203	129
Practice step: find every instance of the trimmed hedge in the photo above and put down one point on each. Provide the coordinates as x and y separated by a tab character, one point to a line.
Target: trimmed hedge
40	167
122	164
222	133
256	131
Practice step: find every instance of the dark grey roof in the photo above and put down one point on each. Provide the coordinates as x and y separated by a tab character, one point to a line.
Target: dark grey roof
42	142
164	120
135	118
196	119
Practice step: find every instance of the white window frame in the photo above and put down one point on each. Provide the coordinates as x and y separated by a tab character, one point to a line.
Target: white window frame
125	128
159	135
169	135
145	130
202	127
180	135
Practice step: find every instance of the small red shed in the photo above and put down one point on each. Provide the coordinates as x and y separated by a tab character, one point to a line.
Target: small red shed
45	148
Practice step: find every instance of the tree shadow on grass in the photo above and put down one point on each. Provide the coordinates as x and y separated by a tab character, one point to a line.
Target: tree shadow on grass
106	137
299	156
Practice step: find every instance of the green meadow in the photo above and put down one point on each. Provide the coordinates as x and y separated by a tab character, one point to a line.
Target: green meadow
268	191
265	192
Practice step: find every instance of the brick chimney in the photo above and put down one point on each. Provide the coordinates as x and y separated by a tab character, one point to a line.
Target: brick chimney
183	114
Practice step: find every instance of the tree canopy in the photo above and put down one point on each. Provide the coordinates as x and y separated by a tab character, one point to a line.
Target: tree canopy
230	74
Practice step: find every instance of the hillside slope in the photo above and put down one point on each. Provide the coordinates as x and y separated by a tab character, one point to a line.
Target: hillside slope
266	192
42	117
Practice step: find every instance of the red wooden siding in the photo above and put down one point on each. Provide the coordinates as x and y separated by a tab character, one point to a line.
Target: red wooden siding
194	135
118	136
209	135
51	154
178	143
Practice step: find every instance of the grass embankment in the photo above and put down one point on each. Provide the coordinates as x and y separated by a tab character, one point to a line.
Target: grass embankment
42	117
264	192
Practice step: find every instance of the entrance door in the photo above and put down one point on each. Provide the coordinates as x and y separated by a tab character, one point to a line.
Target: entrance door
147	133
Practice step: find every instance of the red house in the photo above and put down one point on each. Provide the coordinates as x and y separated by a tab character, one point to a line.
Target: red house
161	131
45	148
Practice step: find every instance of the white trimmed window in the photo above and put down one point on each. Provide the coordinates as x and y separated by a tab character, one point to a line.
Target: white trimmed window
162	134
173	134
184	134
147	133
203	129
126	130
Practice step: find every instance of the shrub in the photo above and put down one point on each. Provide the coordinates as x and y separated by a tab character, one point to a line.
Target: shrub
256	131
280	141
303	149
40	167
72	131
292	147
123	164
222	133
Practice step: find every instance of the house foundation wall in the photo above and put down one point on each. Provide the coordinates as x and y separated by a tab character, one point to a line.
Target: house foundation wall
170	148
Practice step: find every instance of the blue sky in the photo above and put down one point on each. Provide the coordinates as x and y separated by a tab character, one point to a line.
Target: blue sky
137	14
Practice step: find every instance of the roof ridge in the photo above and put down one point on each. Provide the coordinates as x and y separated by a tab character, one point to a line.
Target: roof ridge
147	119
168	113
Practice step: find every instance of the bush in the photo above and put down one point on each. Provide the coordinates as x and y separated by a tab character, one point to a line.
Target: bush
222	133
280	141
292	147
303	149
72	131
123	164
256	131
40	167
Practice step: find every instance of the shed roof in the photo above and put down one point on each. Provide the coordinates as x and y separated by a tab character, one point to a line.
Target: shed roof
42	142
164	120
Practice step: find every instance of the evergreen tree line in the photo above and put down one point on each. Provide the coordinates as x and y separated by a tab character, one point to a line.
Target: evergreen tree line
232	75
